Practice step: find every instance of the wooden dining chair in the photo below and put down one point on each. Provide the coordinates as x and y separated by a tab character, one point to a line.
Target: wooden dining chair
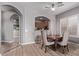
64	42
45	41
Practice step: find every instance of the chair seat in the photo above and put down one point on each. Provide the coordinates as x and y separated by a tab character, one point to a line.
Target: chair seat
65	39
62	43
49	43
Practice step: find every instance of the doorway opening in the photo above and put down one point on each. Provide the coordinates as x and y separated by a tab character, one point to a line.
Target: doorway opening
10	28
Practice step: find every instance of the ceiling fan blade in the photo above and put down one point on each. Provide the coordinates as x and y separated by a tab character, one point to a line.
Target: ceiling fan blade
47	7
59	4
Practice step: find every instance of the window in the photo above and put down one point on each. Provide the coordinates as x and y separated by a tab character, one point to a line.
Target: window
73	24
63	24
70	22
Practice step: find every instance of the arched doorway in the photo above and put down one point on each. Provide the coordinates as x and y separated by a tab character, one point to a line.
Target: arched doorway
41	22
10	28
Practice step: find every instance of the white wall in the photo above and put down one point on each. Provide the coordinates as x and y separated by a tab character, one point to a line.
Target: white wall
0	26
8	26
32	11
29	12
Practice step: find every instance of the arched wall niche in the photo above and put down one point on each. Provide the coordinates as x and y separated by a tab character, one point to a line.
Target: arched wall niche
42	22
17	12
14	14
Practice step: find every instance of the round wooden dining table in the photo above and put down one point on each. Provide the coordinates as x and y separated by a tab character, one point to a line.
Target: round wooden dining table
55	39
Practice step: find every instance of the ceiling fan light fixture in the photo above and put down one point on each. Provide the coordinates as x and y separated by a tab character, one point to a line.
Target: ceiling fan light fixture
53	9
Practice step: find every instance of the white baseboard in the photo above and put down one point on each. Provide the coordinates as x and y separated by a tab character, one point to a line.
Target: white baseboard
8	41
27	43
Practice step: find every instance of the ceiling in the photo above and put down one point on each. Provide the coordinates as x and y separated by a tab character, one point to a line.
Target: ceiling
40	6
67	6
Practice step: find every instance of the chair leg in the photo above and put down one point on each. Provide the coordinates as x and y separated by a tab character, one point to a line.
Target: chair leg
45	49
68	48
42	46
63	49
55	45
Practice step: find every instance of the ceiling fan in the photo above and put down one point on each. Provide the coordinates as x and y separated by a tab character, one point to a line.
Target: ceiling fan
54	5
